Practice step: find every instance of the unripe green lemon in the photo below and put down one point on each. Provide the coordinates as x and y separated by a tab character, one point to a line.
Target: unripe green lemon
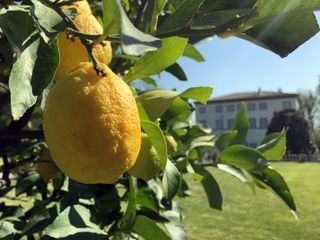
172	145
148	164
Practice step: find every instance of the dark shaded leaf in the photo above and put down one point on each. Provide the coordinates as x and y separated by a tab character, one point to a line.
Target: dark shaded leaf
275	181
177	71
181	17
210	186
171	181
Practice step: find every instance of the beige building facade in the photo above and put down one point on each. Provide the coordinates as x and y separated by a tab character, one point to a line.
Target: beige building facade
220	112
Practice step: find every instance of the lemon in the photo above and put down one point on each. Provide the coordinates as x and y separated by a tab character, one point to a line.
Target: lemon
92	126
148	164
171	144
72	51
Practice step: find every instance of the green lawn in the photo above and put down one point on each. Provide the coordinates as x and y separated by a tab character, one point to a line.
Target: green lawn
260	216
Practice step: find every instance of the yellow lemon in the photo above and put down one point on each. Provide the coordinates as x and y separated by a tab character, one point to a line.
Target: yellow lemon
92	126
72	51
148	164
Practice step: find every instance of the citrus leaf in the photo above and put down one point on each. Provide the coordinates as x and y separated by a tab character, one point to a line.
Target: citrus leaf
210	186
157	139
48	21
275	181
273	147
181	17
133	41
148	229
177	71
191	52
233	171
241	125
74	223
171	181
200	94
127	221
17	25
224	140
29	78
111	17
243	157
157	101
156	61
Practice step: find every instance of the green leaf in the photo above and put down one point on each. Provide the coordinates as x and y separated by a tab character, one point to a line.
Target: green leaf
210	186
273	147
148	229
127	221
146	198
158	6
191	52
111	17
181	17
218	5
157	101
74	223
150	81
29	78
241	125
283	34
157	61
275	181
157	139
48	21
7	230
17	25
200	94
224	140
233	171
133	41
243	157
27	182
177	71
171	181
202	141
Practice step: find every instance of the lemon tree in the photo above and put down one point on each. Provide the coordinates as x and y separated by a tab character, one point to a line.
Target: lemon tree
90	154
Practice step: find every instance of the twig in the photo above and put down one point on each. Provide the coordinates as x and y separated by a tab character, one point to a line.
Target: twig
70	23
142	8
20	134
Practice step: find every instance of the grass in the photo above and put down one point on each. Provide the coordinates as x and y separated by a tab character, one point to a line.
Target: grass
260	216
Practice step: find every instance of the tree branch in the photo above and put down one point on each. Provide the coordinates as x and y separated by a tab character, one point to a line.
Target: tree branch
19	134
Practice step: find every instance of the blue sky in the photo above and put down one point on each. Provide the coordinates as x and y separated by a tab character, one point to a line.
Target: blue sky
234	65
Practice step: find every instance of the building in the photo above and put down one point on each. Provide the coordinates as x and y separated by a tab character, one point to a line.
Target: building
220	112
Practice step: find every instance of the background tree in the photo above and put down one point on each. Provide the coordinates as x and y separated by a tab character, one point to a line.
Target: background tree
298	136
309	106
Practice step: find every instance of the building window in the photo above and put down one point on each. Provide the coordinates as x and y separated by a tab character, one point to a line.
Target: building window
238	106
203	122
230	123
219	109
286	105
252	123
202	109
230	108
251	106
263	106
219	124
263	123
